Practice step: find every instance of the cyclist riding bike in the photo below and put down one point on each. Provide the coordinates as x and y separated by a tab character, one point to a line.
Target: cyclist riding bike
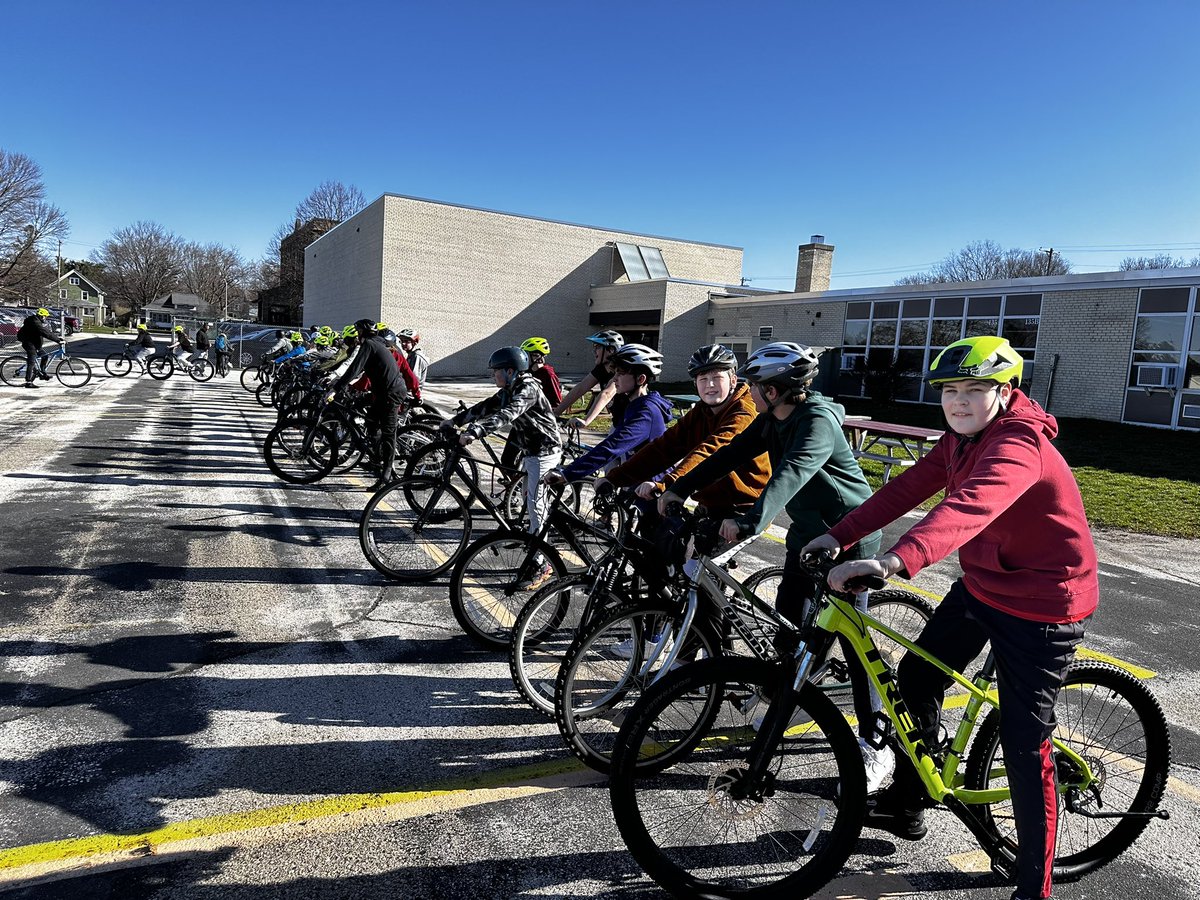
1029	581
281	346
814	477
538	349
725	410
604	345
413	354
521	405
181	346
642	418
32	333
202	342
142	345
221	348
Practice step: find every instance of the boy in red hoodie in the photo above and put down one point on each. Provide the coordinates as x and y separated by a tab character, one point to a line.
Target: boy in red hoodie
1013	511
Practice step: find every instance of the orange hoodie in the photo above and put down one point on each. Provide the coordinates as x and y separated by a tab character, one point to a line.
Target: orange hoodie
695	437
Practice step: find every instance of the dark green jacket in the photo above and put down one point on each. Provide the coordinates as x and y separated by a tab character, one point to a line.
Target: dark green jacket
814	474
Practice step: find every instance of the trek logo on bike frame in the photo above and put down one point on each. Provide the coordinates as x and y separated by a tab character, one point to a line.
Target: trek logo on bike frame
891	692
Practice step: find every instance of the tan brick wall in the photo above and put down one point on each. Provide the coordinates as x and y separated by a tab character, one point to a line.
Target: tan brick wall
471	280
343	271
1092	333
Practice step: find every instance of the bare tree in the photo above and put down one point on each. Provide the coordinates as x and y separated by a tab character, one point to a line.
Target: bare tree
985	260
28	225
1160	261
142	261
331	200
216	274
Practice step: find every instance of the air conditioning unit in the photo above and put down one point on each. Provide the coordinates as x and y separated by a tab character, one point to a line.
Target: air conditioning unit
1156	375
851	361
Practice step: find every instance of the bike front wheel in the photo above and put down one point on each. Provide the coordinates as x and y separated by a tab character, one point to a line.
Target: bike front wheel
286	456
700	821
414	529
546	628
493	580
202	370
73	372
160	368
251	378
1108	717
608	668
118	365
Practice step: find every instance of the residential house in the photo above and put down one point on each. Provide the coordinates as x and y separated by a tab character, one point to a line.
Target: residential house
81	297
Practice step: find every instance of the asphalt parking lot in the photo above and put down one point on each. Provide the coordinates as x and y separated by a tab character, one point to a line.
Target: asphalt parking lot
207	692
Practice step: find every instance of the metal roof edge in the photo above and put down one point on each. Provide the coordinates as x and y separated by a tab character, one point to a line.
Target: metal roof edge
500	212
1043	285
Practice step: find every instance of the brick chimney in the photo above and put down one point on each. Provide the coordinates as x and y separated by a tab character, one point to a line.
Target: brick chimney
813	264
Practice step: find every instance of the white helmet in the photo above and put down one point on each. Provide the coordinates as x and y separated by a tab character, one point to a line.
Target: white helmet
781	363
634	356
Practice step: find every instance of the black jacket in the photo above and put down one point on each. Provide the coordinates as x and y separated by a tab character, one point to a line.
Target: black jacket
33	331
202	339
375	360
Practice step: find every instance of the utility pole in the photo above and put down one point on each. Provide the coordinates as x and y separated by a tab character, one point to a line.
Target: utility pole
1049	258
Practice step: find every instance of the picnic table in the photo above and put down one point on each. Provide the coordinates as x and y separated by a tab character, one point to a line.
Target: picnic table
682	403
889	443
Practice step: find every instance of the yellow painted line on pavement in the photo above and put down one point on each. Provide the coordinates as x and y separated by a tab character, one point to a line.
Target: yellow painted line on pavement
1144	674
17	862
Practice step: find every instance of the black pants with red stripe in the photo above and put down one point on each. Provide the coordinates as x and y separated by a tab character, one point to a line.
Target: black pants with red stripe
1031	662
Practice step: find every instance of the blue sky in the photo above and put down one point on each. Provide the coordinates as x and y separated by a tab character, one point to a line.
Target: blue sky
899	131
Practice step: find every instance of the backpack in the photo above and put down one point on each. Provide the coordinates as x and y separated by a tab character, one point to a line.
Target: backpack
220	342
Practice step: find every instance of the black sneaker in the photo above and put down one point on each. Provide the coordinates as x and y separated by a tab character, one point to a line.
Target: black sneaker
32	384
886	812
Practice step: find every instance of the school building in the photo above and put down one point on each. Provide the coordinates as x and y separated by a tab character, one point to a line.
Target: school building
1116	346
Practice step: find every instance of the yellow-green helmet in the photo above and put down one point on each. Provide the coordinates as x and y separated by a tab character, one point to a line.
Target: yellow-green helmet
179	328
296	337
983	358
349	332
536	345
141	326
382	326
43	312
325	329
323	340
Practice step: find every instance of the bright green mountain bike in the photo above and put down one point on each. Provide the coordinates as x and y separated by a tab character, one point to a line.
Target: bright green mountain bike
710	807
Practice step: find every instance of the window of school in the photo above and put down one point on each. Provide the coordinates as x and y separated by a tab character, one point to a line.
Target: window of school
907	335
1163	387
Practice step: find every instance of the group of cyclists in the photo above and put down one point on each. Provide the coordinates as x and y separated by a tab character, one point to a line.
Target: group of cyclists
185	350
762	441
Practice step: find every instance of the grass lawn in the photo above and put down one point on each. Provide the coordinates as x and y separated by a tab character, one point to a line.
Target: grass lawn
1139	479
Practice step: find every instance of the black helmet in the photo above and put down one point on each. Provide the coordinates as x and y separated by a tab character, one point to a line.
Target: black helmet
509	358
711	356
364	327
638	356
782	363
611	340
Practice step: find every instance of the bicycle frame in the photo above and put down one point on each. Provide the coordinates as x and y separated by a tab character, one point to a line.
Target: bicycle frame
838	617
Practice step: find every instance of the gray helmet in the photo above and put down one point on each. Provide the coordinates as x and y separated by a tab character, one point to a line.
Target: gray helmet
509	358
711	356
781	363
388	335
638	356
610	339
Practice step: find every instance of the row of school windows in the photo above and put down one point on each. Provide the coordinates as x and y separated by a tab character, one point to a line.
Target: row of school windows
907	335
1163	387
1164	364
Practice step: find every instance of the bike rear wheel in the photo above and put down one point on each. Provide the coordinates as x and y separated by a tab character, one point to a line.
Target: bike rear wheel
610	665
691	814
73	372
1116	725
414	529
251	378
492	583
12	371
202	370
118	365
546	628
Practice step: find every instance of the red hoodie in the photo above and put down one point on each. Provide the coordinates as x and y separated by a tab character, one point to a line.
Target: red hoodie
1012	510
